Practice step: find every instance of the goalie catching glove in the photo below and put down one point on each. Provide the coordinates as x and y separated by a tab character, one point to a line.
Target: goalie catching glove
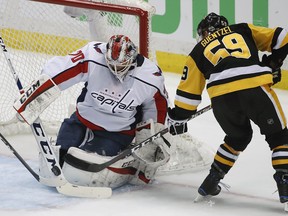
176	125
36	98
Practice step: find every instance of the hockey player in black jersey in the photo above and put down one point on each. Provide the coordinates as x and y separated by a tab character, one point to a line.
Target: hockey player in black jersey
226	60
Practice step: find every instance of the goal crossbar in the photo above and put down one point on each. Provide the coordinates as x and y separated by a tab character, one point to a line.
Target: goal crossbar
142	14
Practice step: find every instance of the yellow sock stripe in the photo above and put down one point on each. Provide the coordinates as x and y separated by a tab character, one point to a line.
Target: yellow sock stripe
231	149
223	161
281	147
280	162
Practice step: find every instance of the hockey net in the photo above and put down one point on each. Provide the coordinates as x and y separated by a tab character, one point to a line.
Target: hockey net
35	31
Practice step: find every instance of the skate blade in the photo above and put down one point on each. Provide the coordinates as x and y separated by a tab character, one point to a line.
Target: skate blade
201	198
286	207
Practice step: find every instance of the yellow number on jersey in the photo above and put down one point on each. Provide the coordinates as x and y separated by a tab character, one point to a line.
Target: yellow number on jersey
234	45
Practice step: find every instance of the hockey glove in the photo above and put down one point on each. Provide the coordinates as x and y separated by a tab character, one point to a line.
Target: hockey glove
274	65
276	76
176	126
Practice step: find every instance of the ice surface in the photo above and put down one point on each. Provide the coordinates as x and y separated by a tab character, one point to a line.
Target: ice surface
252	190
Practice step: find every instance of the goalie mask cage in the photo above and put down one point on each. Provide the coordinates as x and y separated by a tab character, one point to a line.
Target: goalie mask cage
35	31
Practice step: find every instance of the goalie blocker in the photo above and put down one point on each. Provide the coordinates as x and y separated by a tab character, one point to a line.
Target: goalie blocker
35	98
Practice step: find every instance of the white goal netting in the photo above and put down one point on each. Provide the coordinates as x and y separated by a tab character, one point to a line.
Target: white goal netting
34	31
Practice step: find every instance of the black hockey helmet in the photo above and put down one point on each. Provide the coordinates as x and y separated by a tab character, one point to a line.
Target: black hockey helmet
211	23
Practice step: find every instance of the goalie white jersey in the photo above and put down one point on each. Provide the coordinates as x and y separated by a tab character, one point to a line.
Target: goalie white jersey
105	102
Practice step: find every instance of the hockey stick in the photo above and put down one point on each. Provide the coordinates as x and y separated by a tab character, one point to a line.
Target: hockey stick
98	167
45	181
59	181
37	129
67	189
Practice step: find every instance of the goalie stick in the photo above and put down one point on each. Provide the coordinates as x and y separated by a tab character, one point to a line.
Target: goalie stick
65	187
45	181
59	181
98	167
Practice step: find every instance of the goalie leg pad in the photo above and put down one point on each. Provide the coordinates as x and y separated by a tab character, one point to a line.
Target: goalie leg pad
114	176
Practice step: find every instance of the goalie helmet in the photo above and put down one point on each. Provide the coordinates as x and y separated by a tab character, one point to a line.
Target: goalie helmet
121	55
211	23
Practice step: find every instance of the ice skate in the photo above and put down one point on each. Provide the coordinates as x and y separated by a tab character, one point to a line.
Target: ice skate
210	185
281	179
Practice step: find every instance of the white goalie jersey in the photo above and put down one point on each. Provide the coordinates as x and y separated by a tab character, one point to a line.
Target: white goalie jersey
105	102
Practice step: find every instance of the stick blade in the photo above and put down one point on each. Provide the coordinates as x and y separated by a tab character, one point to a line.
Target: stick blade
52	182
86	192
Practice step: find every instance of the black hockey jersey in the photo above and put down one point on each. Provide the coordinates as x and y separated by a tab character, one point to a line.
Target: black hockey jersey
227	61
